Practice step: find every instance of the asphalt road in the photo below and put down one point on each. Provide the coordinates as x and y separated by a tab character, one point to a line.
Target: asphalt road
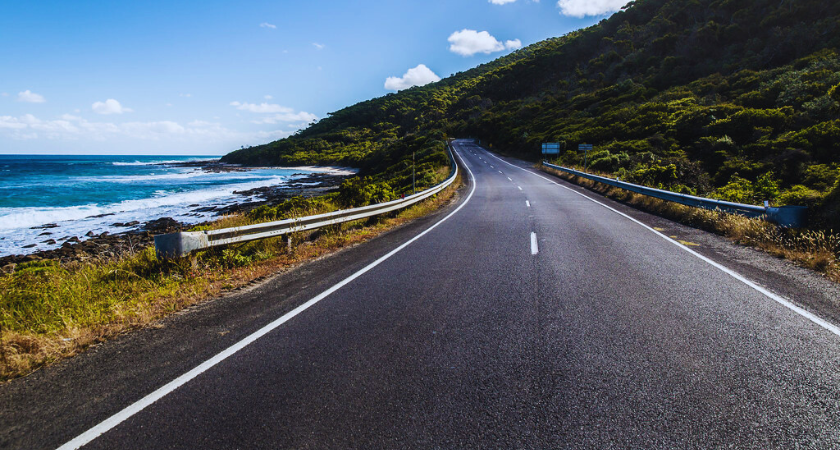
530	317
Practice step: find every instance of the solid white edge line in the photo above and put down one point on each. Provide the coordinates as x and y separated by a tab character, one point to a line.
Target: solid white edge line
534	247
111	422
828	326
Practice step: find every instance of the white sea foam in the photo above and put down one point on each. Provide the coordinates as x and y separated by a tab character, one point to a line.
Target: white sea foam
154	163
151	177
16	223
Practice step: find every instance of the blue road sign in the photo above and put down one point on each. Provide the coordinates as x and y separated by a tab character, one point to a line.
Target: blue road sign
584	147
551	148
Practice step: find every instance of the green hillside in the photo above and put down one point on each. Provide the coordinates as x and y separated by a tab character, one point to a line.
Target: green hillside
727	98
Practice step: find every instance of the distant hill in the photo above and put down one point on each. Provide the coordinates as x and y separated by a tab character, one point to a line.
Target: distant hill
728	98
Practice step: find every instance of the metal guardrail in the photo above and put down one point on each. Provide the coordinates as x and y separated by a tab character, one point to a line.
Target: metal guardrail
786	216
182	243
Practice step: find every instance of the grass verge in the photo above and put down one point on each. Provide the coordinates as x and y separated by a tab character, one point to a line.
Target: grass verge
818	250
50	311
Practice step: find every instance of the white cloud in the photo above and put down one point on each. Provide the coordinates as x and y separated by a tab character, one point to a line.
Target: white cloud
184	95
72	128
263	108
13	123
469	42
513	45
418	76
268	97
268	25
30	97
501	2
109	106
318	46
281	113
5	94
582	8
299	117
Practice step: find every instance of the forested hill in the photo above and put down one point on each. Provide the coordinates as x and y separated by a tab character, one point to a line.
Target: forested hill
729	98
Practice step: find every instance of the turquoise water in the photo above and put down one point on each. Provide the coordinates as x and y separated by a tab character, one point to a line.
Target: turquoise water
70	191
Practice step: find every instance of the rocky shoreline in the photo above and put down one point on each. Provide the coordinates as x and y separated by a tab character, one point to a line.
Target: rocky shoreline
110	245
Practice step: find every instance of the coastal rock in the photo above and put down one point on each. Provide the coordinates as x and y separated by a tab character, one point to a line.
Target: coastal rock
162	225
30	246
8	268
49	242
41	227
89	234
46	233
73	239
126	224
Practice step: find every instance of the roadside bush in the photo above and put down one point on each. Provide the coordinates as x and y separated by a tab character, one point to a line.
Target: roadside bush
364	191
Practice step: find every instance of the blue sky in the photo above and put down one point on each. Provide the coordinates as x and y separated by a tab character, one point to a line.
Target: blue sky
155	77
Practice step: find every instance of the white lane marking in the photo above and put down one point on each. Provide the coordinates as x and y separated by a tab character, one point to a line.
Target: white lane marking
509	179
534	247
168	388
828	326
520	187
492	167
527	203
500	171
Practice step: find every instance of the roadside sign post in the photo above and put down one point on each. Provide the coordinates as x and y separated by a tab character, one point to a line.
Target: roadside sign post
585	148
551	148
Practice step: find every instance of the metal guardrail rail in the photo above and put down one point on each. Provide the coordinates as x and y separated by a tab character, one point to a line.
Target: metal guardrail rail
180	244
787	216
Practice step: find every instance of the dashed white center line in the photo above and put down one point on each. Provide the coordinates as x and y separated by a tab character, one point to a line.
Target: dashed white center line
534	247
509	179
527	203
500	171
520	187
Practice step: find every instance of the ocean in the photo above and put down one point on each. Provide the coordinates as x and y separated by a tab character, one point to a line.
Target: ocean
81	194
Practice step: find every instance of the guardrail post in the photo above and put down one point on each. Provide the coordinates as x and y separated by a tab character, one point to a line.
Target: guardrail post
177	245
788	216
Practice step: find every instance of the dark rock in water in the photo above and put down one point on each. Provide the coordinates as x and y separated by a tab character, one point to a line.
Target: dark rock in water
41	227
206	209
104	234
193	205
89	234
49	242
99	216
162	225
73	239
127	224
30	246
46	233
